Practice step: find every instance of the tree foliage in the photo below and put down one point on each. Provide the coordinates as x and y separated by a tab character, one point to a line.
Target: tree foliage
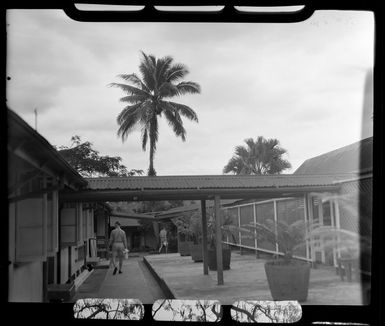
262	156
89	163
148	99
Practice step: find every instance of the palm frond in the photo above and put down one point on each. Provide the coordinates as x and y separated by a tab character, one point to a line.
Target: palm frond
242	152
235	165
130	90
188	87
133	78
162	66
167	89
184	110
134	99
128	113
176	72
147	69
127	126
175	121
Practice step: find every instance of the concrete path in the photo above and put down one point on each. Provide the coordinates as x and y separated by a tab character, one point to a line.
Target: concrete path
136	282
245	280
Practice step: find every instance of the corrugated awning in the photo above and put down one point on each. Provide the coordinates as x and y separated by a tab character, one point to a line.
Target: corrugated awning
210	182
203	187
130	215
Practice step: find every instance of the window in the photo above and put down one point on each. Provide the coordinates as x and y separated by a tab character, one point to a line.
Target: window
68	227
52	223
79	222
90	224
85	223
326	213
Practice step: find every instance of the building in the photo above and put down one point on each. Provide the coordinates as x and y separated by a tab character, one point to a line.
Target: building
50	242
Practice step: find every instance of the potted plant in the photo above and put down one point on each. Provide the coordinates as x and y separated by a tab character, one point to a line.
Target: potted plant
288	278
211	237
184	235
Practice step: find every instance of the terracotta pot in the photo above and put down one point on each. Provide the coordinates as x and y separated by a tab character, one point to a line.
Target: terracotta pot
196	251
288	281
212	259
184	248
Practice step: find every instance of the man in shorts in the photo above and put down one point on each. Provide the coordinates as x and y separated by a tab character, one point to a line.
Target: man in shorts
118	244
163	239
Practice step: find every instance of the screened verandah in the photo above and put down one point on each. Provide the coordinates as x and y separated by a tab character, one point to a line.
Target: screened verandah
215	188
310	208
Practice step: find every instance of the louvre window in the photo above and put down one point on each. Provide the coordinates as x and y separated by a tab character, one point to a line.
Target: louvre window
52	223
69	227
30	223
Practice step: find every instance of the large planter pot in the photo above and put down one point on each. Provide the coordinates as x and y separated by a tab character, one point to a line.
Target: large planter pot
288	281
212	259
184	247
196	251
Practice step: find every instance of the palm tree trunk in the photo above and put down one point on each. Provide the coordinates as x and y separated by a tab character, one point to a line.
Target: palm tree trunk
151	170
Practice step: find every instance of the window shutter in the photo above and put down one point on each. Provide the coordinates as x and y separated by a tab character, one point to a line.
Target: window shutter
50	227
79	213
85	222
52	223
90	223
55	218
68	227
30	235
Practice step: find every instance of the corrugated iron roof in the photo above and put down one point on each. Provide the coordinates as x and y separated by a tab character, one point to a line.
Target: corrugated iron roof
212	182
356	157
23	138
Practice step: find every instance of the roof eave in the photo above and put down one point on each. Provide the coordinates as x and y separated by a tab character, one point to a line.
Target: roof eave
53	162
193	194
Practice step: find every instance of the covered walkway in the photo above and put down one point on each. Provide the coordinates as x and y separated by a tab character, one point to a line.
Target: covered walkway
216	188
136	282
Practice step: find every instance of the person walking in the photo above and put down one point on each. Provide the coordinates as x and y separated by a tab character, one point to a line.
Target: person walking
163	239
118	245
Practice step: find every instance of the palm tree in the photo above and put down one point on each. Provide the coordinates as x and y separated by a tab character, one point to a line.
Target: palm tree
263	156
148	98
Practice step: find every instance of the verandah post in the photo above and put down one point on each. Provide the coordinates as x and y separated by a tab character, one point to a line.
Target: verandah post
218	232
204	237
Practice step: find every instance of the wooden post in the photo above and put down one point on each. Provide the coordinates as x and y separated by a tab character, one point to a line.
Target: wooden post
218	232
204	238
155	226
307	224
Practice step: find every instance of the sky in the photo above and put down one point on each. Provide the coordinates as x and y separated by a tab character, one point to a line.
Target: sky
301	83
